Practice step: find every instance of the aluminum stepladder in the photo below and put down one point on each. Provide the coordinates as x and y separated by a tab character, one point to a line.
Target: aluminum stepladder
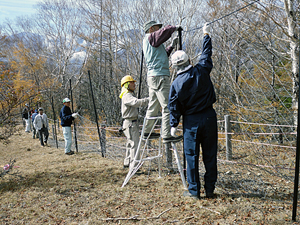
139	160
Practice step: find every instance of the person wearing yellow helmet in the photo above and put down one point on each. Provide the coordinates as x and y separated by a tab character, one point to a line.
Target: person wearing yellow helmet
129	110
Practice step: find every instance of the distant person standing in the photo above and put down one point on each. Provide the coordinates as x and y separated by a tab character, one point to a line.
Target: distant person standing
41	125
35	133
26	117
67	117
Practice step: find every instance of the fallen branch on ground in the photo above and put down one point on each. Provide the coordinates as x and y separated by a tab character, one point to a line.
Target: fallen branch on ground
210	210
136	217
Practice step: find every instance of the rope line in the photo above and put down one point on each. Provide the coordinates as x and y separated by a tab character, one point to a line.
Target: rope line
197	28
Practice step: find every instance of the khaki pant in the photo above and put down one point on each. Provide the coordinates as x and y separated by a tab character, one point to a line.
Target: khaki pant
159	88
132	133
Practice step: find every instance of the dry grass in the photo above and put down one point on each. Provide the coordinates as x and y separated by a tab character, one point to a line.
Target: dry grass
86	189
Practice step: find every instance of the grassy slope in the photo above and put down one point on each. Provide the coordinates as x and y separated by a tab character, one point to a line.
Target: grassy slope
86	189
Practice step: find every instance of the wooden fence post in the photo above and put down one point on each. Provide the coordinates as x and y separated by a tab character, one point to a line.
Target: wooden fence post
228	137
103	139
53	132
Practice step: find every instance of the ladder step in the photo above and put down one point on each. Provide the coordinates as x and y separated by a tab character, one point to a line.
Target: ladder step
150	158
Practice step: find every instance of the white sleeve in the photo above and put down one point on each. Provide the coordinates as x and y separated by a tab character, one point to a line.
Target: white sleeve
133	101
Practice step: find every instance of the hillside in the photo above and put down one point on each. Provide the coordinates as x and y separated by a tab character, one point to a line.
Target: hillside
48	187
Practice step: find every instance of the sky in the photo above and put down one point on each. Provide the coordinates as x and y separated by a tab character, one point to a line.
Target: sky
13	8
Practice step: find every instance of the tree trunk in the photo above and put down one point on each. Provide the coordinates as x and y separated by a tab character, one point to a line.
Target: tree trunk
294	49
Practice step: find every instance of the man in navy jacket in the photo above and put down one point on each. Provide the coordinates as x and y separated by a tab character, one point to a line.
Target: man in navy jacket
67	117
192	95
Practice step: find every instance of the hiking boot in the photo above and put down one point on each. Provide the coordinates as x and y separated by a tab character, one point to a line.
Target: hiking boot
173	139
152	136
188	194
210	195
69	153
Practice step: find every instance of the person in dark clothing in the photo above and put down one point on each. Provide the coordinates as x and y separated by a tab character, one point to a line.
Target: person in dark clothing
67	117
26	117
192	95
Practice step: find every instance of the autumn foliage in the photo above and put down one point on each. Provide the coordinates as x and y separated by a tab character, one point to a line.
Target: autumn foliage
14	91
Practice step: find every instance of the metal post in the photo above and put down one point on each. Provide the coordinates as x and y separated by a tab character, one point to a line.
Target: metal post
141	72
228	137
28	114
75	136
96	116
169	157
54	117
103	139
53	134
296	180
180	38
180	48
23	121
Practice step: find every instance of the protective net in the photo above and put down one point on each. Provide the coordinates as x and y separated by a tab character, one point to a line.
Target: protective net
256	82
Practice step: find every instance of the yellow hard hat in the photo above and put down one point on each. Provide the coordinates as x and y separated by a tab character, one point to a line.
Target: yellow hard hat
126	79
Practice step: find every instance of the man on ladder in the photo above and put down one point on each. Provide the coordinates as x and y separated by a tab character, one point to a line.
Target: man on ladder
158	80
192	95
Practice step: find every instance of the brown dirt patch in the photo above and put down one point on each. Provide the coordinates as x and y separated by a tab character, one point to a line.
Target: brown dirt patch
86	189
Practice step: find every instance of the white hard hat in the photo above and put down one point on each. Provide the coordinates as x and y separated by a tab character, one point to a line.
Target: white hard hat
66	100
179	58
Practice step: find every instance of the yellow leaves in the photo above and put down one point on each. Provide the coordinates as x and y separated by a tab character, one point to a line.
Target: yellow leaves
14	89
25	61
7	90
20	83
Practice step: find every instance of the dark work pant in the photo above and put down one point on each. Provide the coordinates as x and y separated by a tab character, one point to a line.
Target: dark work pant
35	133
44	131
201	129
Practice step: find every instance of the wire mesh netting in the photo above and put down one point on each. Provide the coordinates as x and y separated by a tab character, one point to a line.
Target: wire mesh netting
256	82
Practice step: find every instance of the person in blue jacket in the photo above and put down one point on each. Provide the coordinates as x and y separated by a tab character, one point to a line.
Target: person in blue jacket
35	133
192	96
67	117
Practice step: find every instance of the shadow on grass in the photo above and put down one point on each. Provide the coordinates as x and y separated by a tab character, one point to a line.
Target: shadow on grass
63	182
250	188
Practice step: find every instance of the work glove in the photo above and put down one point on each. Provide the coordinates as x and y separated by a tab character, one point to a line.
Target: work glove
178	28
173	131
206	28
75	115
145	100
174	42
